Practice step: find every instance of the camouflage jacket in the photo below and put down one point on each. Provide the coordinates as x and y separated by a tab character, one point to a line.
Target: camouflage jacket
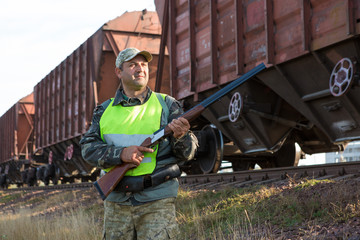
98	153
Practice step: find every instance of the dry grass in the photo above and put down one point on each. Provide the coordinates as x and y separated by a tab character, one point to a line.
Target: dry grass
56	215
73	225
305	210
270	212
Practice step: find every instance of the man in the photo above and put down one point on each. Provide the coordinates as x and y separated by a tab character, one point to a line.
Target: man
142	205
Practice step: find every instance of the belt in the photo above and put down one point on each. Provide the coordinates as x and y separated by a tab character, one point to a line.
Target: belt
139	183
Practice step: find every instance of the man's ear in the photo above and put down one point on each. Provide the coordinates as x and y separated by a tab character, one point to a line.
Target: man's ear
118	72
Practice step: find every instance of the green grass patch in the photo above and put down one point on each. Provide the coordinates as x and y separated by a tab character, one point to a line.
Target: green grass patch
5	198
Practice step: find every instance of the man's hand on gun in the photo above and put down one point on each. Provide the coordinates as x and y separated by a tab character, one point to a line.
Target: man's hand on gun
179	127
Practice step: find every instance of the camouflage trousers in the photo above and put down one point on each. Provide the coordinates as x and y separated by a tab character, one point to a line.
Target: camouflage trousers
154	220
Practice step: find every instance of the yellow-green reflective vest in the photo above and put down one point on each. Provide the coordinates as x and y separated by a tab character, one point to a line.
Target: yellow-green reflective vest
127	126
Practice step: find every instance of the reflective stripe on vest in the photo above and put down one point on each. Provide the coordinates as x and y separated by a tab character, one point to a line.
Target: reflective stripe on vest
127	126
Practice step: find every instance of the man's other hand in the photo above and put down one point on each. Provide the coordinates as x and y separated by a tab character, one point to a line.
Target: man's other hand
134	154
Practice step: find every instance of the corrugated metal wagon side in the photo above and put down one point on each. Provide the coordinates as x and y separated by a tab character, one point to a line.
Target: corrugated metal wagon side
302	42
66	97
16	138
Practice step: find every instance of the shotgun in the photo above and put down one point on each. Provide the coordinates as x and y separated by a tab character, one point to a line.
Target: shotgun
107	183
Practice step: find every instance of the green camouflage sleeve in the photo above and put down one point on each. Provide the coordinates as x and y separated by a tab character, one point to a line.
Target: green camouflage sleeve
185	147
93	149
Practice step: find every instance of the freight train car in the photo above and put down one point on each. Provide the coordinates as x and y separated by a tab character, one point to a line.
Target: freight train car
309	94
66	97
16	140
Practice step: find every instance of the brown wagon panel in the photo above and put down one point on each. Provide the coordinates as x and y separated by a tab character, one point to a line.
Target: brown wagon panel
8	123
16	131
25	128
124	40
273	32
136	22
328	24
254	14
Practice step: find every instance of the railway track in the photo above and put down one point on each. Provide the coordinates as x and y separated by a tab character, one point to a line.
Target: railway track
70	186
335	171
216	181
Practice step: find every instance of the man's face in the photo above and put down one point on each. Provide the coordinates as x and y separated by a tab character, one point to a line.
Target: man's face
134	73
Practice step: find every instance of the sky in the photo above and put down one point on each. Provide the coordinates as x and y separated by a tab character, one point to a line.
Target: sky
37	35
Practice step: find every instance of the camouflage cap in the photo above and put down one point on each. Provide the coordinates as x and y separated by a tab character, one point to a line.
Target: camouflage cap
129	53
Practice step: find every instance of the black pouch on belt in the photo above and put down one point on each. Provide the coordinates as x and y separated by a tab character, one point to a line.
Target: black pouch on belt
131	184
164	174
139	183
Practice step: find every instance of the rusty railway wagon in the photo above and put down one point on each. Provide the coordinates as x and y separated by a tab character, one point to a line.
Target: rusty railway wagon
309	93
64	100
16	140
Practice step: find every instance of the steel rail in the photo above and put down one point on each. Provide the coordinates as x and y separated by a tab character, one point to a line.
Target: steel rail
215	181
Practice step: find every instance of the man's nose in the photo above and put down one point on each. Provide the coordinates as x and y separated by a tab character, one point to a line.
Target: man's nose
139	68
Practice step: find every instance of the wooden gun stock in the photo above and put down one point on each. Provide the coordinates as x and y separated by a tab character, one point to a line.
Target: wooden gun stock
107	183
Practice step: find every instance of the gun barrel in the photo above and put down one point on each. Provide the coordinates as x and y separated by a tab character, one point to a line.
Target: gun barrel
231	86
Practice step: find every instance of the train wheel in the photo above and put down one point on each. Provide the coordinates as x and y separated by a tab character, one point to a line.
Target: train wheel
267	163
210	159
3	181
54	180
288	155
85	178
95	175
242	166
93	178
191	168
